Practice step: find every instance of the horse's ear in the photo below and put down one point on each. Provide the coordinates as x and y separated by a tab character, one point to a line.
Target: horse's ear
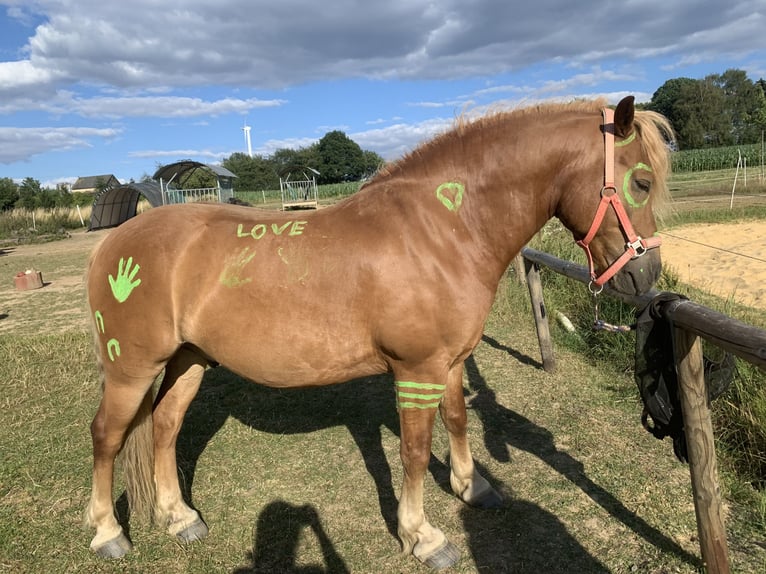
623	117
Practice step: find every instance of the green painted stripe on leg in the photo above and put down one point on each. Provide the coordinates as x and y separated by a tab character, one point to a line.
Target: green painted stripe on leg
420	391
407	405
402	395
421	386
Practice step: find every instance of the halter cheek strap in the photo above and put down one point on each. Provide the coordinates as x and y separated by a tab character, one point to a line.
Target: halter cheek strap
635	245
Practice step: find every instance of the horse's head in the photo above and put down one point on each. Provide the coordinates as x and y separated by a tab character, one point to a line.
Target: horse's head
616	226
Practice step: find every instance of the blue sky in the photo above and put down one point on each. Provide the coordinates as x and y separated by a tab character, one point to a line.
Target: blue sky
91	87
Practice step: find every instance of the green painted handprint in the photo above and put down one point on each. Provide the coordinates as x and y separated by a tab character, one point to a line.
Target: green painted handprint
126	280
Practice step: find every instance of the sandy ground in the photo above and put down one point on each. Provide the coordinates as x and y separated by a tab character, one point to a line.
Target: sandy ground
728	259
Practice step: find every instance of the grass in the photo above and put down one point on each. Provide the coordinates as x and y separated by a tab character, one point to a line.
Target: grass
307	480
739	415
575	503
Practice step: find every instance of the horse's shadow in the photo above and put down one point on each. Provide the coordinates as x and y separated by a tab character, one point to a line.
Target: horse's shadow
521	537
365	406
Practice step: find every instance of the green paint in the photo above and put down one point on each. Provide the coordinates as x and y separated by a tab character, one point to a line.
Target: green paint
411	390
278	229
451	195
297	228
99	321
231	275
259	230
113	349
626	185
126	280
627	140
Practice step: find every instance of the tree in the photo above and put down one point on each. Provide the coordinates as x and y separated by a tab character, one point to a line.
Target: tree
253	173
28	191
341	158
720	109
744	105
9	193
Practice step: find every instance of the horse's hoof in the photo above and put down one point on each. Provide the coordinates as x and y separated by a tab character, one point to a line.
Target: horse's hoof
488	500
197	530
115	548
443	557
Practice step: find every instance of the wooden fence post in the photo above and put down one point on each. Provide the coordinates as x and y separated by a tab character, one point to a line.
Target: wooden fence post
535	287
701	451
518	267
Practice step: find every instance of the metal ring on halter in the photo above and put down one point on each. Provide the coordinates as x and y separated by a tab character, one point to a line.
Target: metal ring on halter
611	188
592	292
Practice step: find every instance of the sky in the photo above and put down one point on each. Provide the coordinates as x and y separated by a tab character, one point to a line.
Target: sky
93	87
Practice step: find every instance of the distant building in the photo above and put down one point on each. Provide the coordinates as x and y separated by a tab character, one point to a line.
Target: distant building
95	183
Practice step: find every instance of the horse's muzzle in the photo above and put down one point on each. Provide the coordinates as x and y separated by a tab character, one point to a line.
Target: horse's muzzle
638	275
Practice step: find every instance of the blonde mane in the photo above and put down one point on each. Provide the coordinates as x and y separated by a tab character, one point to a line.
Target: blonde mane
655	131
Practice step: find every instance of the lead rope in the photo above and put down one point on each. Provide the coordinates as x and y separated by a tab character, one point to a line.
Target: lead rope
601	325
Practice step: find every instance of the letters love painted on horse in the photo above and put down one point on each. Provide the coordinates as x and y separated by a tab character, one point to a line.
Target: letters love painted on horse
257	231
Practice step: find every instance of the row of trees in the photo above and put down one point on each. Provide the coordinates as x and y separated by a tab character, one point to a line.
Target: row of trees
29	194
336	158
718	110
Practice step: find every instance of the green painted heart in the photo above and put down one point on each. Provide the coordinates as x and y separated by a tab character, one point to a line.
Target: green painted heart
451	195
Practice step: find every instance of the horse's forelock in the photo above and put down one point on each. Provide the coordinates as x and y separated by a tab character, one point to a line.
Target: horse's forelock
656	136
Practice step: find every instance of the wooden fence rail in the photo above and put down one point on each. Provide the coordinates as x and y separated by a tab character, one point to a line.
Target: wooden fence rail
690	322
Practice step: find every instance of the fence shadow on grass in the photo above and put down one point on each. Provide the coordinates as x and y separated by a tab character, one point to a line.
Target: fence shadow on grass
503	427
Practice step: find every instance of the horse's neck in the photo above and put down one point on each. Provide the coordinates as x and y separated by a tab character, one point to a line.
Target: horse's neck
506	195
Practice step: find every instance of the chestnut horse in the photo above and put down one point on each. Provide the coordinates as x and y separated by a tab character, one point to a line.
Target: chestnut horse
398	278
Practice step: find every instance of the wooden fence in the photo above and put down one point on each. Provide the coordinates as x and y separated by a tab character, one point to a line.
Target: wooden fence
690	323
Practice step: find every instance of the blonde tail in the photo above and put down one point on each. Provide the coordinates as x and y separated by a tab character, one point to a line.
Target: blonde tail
138	461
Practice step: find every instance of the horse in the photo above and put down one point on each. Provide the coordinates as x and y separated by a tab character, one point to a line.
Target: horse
398	278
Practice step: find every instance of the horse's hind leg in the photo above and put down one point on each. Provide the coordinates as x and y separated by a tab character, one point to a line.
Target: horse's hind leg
122	405
183	375
465	480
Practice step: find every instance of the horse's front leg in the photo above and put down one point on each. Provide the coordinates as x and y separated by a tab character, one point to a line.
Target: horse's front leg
465	480
417	403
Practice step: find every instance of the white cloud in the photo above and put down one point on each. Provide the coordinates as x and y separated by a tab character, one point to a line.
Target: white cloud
394	141
178	153
17	144
266	44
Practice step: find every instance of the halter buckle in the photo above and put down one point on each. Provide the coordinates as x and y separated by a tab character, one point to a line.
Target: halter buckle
637	246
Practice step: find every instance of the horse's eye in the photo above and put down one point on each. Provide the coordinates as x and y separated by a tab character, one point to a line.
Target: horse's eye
643	185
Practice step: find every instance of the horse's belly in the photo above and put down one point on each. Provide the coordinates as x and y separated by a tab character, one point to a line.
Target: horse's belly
296	356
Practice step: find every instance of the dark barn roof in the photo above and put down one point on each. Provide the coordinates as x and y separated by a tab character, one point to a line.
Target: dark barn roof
93	181
179	171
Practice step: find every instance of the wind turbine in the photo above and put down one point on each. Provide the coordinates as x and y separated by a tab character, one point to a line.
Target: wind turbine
246	129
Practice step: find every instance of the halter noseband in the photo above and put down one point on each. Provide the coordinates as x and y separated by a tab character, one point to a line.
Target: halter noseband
635	246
